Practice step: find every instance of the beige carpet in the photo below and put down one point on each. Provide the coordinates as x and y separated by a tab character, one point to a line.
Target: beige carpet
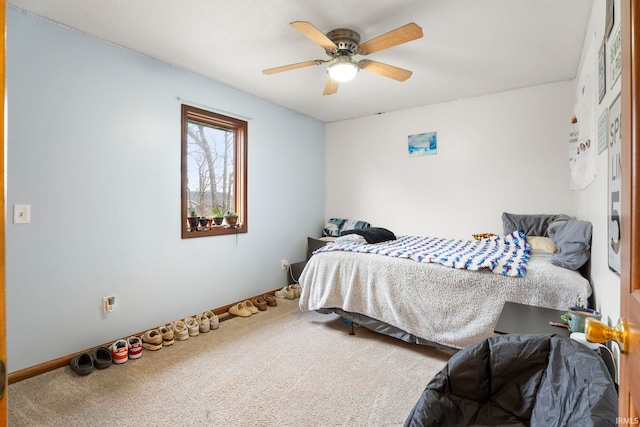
281	367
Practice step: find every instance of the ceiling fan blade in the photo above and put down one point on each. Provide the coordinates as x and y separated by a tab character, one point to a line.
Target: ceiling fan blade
399	74
293	66
400	35
315	35
331	87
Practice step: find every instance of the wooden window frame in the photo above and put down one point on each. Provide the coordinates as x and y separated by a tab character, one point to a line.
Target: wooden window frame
240	130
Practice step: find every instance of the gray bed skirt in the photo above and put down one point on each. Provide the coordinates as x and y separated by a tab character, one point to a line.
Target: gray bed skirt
385	329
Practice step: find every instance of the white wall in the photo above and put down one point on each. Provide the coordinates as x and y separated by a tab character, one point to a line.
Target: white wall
592	202
496	153
94	148
500	152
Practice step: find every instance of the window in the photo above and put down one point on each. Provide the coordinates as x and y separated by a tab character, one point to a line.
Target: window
214	173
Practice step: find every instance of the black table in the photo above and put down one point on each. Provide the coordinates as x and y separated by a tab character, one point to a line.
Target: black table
528	319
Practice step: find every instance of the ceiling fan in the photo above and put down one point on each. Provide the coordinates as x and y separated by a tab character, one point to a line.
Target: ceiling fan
343	44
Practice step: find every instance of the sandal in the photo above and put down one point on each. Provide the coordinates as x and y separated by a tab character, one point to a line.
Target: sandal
82	364
270	299
102	358
260	302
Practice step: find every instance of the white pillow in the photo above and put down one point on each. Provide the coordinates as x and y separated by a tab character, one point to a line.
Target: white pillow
544	244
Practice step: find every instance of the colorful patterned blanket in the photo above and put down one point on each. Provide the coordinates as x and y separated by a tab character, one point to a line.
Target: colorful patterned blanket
507	255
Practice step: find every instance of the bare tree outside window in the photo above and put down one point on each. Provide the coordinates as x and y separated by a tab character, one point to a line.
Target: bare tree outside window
213	158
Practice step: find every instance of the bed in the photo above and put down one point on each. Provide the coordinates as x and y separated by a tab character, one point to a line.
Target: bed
433	304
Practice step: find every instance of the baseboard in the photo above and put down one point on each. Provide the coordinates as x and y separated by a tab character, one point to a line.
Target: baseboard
32	371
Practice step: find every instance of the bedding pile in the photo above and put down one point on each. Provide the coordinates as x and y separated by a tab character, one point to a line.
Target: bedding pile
507	255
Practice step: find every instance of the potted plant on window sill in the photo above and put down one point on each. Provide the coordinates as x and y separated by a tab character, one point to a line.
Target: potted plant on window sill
231	218
218	215
193	220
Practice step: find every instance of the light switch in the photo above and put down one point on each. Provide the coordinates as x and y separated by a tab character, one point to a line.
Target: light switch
21	214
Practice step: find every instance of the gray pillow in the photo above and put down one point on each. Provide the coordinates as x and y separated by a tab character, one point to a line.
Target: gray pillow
531	225
573	239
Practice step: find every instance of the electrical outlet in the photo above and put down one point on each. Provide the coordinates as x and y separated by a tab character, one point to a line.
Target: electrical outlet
108	304
285	264
21	214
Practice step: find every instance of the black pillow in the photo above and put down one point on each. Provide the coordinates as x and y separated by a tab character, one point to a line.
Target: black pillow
314	245
372	234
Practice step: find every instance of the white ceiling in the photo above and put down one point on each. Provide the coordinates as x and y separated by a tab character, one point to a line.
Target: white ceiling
469	48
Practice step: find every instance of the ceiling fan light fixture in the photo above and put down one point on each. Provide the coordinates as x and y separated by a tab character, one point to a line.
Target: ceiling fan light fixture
343	69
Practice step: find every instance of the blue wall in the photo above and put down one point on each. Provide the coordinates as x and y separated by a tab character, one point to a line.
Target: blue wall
94	148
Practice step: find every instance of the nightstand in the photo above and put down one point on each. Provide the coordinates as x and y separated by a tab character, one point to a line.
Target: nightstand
528	319
293	275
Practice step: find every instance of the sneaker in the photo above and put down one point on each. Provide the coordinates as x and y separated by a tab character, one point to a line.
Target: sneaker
214	322
203	323
120	351
285	292
192	326
167	335
135	347
152	340
297	289
180	331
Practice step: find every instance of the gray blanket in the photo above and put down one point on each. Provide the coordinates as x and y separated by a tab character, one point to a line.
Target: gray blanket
443	305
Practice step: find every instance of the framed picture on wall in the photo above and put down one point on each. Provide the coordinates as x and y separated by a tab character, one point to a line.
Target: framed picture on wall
615	57
608	23
603	131
615	166
602	65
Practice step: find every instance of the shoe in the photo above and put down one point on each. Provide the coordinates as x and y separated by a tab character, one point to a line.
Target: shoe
260	302
249	306
193	328
214	322
135	347
271	300
297	289
120	351
152	340
167	335
286	292
82	364
240	310
102	357
180	331
203	323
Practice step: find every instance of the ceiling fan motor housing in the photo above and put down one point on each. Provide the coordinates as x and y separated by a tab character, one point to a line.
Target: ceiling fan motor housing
347	41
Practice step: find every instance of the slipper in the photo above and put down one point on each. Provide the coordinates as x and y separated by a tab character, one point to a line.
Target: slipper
82	364
271	300
249	306
102	358
240	310
260	302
